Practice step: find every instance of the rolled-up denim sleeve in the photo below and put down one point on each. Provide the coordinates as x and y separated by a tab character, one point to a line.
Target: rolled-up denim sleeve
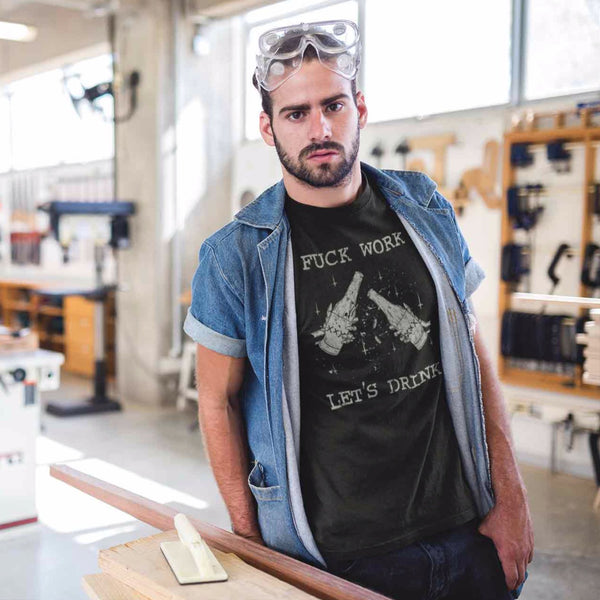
215	318
474	273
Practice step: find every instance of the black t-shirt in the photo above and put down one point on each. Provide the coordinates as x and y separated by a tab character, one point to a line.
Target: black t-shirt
379	460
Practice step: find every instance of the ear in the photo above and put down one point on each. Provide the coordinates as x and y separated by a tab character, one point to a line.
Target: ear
266	131
362	109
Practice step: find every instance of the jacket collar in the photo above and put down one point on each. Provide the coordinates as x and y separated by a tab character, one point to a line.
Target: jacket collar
267	210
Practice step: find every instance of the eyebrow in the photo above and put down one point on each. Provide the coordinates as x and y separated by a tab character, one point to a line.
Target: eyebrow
325	102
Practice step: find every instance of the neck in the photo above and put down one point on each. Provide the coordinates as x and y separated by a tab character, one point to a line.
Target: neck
325	197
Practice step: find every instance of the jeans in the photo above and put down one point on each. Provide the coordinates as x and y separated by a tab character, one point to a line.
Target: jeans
460	564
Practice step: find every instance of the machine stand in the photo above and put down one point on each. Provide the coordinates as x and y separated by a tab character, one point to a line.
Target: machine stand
99	402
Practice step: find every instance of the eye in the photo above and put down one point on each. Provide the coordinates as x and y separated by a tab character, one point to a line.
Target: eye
295	116
335	106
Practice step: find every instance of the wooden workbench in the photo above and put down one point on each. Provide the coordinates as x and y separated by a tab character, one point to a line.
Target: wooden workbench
265	572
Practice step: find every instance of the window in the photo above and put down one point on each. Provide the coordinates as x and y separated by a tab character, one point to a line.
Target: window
37	110
435	56
46	129
91	133
562	47
263	19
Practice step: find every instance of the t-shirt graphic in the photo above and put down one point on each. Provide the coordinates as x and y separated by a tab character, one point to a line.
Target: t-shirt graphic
379	462
340	320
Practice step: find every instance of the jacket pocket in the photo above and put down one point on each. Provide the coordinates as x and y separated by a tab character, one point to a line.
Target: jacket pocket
256	482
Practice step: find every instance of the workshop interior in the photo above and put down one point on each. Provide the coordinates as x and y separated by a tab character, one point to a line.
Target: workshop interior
129	134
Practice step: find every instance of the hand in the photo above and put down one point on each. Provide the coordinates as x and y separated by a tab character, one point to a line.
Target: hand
508	525
341	324
338	329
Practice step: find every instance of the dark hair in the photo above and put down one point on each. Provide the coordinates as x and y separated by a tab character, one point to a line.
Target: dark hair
309	54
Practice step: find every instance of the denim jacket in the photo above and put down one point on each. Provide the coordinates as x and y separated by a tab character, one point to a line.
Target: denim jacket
243	306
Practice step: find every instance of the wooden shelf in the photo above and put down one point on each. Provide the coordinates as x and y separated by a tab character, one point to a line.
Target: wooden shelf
55	311
73	309
79	330
543	136
579	301
56	338
19	305
554	382
587	134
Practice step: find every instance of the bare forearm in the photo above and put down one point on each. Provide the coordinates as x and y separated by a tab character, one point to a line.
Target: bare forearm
508	523
225	443
506	478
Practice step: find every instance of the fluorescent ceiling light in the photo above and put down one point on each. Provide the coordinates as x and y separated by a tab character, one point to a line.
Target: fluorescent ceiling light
16	32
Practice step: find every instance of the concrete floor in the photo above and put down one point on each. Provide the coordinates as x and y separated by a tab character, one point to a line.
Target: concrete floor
153	452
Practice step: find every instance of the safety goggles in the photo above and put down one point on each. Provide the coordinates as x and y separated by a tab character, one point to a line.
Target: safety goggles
337	45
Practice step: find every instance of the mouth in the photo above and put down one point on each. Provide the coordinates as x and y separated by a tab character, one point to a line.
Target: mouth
322	155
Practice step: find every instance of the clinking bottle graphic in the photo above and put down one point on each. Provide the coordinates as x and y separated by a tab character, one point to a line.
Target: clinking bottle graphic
403	322
340	321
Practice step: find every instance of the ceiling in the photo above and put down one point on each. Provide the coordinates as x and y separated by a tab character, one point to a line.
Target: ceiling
207	8
55	17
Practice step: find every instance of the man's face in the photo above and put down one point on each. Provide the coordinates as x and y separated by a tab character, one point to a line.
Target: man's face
316	124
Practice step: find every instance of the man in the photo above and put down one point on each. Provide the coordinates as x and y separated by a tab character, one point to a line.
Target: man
349	407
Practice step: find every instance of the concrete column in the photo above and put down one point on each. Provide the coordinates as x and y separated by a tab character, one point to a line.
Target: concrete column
144	167
178	147
210	127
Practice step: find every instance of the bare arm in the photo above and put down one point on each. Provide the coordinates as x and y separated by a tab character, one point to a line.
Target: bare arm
219	379
508	524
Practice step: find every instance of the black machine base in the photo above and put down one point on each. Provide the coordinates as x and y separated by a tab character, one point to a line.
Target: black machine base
98	403
92	406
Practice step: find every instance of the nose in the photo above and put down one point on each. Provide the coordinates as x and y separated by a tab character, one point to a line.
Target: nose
320	128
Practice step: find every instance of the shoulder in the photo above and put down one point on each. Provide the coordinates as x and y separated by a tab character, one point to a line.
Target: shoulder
417	185
411	185
230	231
410	178
233	250
236	236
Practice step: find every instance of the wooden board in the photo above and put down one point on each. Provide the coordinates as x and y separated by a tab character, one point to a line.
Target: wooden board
315	581
101	586
9	344
141	565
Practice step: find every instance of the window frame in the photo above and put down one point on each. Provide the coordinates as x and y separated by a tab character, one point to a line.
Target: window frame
520	13
518	46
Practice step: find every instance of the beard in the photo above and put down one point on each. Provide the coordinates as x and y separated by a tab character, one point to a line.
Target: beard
320	175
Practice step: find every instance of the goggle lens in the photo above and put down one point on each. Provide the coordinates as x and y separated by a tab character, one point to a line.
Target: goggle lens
336	43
